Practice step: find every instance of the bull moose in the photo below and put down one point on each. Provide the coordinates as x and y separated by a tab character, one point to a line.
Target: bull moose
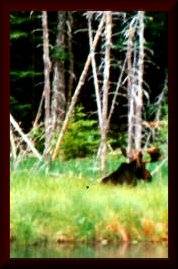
133	171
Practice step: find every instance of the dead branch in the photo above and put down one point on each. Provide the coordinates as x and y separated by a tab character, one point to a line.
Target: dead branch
25	138
39	111
47	70
116	91
77	91
13	146
95	77
105	89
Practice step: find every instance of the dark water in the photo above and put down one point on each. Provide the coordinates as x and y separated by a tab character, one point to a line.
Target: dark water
139	250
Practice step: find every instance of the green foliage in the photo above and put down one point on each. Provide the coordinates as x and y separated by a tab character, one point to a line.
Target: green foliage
118	139
119	44
19	18
17	35
59	54
53	206
23	109
17	21
37	135
161	138
156	23
161	133
82	137
152	109
19	74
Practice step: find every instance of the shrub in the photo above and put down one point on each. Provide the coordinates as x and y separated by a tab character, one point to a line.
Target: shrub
37	135
82	136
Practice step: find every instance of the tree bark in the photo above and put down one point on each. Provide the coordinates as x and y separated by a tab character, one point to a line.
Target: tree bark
105	90
71	56
12	143
116	91
58	105
47	70
94	69
76	93
25	138
139	98
130	91
39	111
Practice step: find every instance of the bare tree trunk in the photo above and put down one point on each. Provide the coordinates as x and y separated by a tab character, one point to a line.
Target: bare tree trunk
131	118
71	57
25	138
77	91
105	89
135	69
13	146
39	111
58	105
47	69
94	69
158	104
139	98
160	99
117	90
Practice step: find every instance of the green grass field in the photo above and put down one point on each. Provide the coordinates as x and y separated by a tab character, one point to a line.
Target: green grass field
66	203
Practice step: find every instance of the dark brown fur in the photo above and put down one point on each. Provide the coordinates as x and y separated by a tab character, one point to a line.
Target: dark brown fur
128	173
155	154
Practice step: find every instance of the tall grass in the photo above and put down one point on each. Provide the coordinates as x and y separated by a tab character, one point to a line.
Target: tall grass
66	203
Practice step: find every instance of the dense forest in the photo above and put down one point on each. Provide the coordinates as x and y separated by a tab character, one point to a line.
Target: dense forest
88	91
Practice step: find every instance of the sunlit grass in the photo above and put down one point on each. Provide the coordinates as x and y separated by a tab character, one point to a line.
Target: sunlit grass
66	203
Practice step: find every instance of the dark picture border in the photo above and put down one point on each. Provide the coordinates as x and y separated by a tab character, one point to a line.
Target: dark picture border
168	6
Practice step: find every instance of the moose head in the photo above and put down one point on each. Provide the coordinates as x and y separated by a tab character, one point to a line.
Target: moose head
133	171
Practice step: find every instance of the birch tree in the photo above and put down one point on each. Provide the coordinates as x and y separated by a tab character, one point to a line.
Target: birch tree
24	137
69	23
105	89
76	92
58	105
133	65
135	71
94	69
139	94
130	93
47	70
102	92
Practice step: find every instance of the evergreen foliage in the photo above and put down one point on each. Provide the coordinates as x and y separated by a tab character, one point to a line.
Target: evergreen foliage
82	137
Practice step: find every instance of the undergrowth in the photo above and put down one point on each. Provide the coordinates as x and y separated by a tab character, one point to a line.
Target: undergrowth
65	202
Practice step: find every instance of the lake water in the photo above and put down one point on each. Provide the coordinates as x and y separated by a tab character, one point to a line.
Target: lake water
124	250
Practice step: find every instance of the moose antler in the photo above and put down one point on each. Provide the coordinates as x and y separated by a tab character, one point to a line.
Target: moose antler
154	153
129	172
134	170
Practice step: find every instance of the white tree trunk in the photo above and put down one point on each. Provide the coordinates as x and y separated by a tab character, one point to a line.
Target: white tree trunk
39	111
58	105
105	90
77	91
135	70
25	138
130	90
139	97
94	69
13	146
47	69
71	57
116	91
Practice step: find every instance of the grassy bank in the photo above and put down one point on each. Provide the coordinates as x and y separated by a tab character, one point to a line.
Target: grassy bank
66	203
